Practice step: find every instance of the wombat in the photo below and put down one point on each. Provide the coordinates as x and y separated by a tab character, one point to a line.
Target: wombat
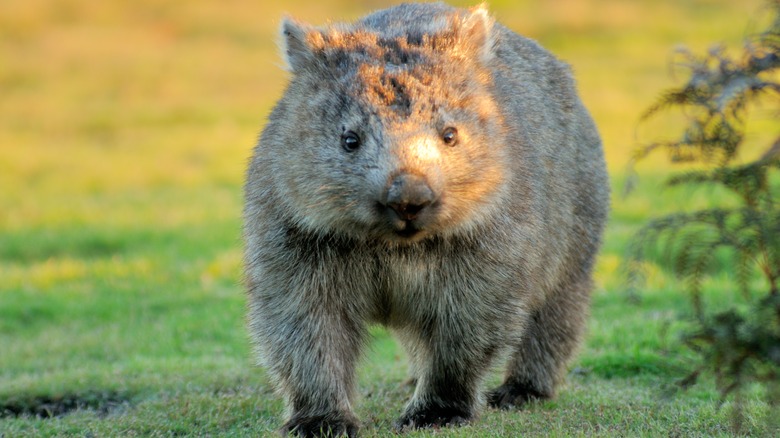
429	170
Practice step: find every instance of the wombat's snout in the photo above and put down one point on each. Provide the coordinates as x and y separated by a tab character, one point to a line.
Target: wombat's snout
407	195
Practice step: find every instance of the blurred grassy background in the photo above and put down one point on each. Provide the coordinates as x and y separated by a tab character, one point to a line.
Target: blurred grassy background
125	127
133	95
128	116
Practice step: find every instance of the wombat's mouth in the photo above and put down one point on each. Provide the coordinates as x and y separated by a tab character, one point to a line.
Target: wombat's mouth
406	226
408	231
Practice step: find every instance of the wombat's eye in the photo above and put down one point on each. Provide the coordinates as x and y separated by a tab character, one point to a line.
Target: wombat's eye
450	136
350	141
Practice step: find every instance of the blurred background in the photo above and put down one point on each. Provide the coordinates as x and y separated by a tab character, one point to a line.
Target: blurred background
140	115
125	129
119	96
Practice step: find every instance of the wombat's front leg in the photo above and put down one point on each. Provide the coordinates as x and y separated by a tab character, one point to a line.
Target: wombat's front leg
317	374
447	386
311	349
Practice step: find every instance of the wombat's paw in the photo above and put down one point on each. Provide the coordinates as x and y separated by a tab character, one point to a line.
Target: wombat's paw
321	426
432	416
513	395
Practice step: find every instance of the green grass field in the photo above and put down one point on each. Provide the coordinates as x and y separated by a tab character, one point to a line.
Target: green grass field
125	127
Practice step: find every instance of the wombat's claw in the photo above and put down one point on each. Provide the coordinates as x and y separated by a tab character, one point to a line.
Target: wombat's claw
432	416
511	396
320	427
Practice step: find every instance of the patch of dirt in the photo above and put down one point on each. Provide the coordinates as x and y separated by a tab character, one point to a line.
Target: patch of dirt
51	406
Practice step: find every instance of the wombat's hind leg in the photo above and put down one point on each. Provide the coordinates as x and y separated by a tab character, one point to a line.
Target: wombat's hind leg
550	340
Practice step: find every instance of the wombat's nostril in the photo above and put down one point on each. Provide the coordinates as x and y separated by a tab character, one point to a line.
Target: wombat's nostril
408	212
408	195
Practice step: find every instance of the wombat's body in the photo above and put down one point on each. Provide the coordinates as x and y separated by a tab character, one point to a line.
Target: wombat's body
429	170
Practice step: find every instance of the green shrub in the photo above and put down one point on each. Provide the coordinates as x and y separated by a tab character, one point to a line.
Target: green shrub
738	344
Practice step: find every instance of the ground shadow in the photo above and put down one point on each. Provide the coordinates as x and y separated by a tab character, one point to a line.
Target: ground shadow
51	406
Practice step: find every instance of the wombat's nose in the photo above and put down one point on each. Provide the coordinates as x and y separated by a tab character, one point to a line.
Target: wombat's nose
408	195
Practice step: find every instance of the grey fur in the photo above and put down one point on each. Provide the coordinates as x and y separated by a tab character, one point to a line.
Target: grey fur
492	256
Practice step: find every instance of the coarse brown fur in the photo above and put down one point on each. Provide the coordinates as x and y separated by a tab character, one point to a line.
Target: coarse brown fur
429	170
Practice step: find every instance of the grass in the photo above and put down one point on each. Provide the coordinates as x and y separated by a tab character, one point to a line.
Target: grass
124	132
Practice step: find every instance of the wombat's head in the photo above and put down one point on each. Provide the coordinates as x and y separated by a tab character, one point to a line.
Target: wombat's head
390	133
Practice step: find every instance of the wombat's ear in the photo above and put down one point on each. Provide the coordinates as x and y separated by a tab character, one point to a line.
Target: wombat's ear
476	33
296	40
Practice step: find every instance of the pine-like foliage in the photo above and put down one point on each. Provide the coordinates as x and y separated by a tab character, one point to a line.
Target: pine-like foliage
738	346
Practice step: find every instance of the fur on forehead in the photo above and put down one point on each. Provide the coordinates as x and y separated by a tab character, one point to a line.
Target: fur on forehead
462	35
